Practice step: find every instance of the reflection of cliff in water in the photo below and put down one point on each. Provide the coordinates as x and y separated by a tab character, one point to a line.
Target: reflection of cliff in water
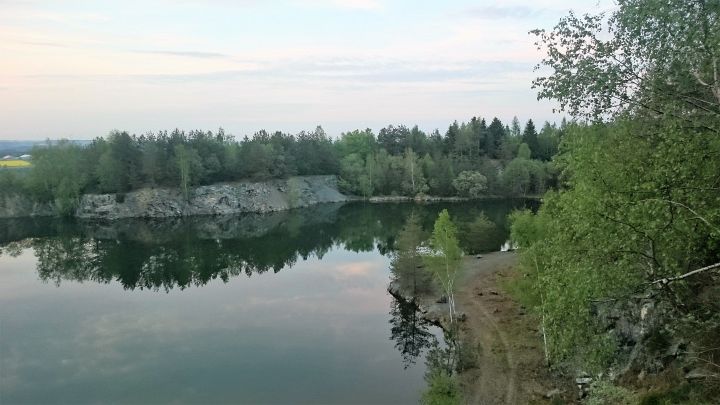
162	254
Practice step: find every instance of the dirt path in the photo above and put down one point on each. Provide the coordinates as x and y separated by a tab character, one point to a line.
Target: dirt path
510	361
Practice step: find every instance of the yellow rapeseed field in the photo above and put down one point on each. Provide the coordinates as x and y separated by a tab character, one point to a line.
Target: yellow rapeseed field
14	163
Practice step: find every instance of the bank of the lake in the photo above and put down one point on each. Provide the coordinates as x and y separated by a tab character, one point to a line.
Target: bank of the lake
510	361
220	199
504	339
217	199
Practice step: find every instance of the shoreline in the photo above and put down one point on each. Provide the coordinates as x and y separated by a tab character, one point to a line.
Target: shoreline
430	199
509	365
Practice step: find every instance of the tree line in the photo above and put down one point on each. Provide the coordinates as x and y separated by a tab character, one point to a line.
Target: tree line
470	159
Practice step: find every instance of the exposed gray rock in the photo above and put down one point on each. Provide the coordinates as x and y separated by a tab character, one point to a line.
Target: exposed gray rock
217	199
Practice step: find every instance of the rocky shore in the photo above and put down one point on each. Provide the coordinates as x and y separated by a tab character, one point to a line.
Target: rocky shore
216	199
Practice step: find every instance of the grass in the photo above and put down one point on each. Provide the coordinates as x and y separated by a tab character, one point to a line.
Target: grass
14	163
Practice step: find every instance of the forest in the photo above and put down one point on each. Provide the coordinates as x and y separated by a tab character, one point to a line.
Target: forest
633	230
472	159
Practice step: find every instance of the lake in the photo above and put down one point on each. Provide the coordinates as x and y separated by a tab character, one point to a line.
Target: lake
288	307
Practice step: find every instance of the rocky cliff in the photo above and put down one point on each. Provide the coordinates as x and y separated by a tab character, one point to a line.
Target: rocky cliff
217	199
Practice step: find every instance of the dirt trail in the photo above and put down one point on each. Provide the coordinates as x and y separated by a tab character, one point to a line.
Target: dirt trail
510	364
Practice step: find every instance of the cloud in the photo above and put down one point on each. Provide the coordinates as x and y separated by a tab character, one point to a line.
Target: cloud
510	12
358	4
332	71
369	5
189	54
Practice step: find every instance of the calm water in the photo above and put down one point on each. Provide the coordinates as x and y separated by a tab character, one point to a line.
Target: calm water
289	307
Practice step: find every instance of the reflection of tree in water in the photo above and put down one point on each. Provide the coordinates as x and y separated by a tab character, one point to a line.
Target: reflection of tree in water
161	254
409	330
408	273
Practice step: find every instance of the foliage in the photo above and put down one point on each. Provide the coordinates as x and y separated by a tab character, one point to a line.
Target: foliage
603	392
406	264
443	389
621	220
400	161
10	182
409	330
479	235
523	151
470	184
444	261
57	176
439	375
639	196
656	57
188	166
516	177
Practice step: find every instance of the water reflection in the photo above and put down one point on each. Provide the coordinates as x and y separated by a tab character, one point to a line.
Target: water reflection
184	252
410	332
119	315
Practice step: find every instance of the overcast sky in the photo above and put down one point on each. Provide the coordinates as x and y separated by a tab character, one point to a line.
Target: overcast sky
79	69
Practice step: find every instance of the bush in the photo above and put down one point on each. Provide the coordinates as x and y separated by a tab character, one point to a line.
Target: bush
470	184
442	389
603	393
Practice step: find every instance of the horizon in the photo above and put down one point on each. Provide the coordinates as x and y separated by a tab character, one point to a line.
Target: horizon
238	137
79	70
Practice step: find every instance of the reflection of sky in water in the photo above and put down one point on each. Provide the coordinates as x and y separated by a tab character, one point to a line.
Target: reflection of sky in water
316	332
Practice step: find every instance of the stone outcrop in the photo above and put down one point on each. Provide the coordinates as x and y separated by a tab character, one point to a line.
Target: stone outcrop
217	199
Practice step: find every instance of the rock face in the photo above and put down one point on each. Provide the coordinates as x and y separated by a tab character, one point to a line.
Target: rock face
217	199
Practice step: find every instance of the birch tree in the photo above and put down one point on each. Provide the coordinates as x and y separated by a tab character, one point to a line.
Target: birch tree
444	261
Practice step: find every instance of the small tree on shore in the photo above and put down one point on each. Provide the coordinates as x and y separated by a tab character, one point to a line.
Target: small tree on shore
444	261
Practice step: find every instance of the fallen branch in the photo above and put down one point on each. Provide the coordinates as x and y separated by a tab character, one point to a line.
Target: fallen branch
668	280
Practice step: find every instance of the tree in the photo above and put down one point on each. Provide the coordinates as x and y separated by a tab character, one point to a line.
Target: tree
530	137
188	165
470	184
150	164
122	160
354	177
653	63
406	263
516	177
360	142
548	142
639	202
495	136
451	137
444	261
57	175
414	182
515	128
509	148
440	175
481	235
523	151
109	173
394	139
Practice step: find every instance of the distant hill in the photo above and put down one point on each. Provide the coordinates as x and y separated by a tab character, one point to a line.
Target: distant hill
21	147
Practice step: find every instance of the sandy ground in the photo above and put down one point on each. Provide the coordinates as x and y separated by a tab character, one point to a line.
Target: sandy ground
510	365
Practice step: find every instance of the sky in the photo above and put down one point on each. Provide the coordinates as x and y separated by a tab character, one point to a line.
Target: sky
79	69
